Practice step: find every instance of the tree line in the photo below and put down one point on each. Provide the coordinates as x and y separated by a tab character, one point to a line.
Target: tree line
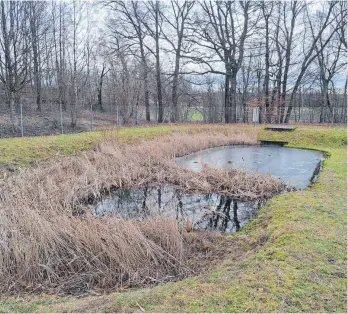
160	61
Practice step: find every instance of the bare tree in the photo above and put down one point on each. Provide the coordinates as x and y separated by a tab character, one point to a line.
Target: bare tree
103	72
330	62
177	21
155	32
37	31
223	30
59	33
14	51
129	25
312	53
294	8
212	57
267	12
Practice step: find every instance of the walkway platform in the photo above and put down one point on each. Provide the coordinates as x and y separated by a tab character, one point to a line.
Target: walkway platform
281	128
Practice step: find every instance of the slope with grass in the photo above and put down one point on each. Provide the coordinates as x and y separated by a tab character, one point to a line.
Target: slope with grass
47	221
22	153
291	258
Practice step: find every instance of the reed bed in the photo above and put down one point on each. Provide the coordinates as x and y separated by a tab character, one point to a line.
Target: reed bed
49	241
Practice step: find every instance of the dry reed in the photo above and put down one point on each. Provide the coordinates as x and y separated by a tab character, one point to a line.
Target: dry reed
45	245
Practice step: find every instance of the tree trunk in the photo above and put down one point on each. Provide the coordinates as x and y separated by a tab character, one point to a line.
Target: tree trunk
74	104
146	85
13	116
268	109
100	89
291	105
62	99
158	67
147	99
325	95
175	111
228	111
37	77
100	103
234	98
35	48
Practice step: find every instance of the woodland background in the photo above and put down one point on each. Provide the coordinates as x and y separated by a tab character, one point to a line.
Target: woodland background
69	66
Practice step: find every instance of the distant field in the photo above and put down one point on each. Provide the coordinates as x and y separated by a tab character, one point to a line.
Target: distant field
291	258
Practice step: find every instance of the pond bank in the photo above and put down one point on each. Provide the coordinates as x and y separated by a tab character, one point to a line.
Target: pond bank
43	207
291	258
208	210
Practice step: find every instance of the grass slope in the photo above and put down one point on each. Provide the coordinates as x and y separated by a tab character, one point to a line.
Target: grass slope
291	258
21	153
18	153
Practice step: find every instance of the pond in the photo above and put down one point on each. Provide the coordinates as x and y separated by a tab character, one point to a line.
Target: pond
204	211
292	165
214	212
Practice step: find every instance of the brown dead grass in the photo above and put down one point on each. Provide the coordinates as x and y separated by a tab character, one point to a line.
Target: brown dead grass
51	242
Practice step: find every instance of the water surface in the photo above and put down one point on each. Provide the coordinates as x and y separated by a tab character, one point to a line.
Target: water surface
292	165
211	212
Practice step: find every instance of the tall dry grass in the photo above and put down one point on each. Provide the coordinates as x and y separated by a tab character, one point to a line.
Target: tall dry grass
50	241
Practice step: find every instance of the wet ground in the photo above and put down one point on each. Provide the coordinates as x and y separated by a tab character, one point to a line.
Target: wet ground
292	165
211	211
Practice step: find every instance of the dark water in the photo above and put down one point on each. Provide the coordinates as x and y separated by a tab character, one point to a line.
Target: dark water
291	165
211	211
204	211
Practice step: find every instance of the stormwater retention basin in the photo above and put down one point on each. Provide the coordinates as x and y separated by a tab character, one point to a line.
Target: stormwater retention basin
213	212
294	166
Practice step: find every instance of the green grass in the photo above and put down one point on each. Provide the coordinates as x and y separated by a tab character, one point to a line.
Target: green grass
313	137
292	256
196	116
21	153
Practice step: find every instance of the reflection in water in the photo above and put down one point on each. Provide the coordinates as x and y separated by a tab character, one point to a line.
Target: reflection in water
204	211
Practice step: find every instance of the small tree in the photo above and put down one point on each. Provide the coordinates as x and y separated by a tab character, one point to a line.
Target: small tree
14	51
